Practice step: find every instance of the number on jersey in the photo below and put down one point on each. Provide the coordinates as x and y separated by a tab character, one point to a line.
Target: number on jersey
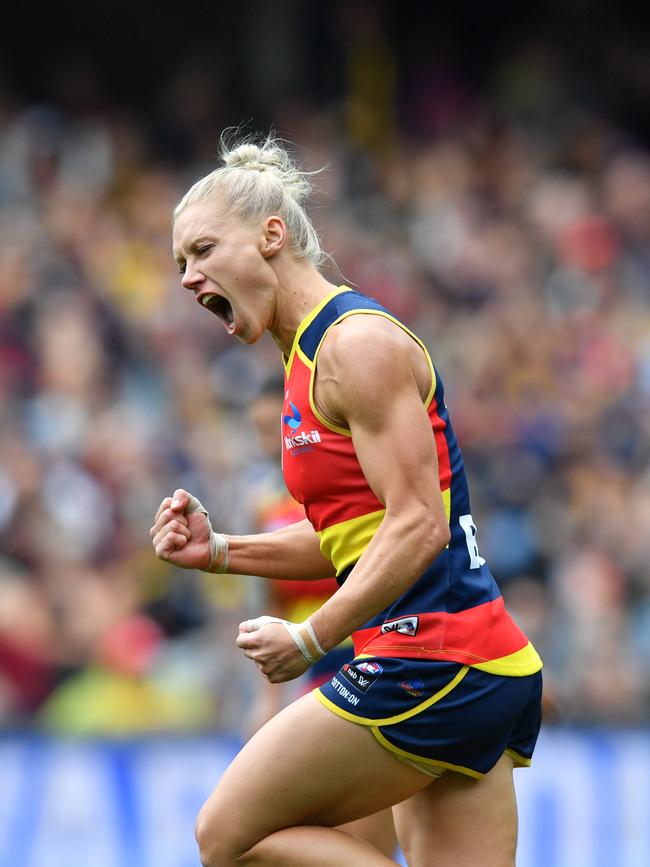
469	527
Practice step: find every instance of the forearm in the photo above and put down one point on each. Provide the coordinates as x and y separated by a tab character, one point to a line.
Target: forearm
292	552
397	555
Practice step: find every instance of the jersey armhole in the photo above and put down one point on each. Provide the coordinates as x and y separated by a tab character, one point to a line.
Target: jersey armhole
312	403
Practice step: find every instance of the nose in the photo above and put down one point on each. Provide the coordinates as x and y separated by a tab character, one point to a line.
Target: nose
192	278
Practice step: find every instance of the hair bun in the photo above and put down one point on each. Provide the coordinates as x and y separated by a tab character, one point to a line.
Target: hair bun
254	157
269	156
259	178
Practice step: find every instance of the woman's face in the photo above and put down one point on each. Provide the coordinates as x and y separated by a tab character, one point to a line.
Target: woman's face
224	262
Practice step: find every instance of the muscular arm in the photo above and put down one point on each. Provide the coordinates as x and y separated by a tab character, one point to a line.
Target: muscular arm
181	535
291	552
370	377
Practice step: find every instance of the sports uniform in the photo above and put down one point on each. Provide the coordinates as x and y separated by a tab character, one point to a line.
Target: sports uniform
446	652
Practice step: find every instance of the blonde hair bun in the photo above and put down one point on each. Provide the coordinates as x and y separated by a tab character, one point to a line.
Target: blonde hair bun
257	180
270	156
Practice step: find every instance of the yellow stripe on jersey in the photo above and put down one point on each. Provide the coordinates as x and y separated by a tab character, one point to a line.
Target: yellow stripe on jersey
518	664
344	543
446	501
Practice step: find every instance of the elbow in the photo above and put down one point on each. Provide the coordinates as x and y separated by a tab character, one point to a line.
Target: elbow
439	537
423	530
433	536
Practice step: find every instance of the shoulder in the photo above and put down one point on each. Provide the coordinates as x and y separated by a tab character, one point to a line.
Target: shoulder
364	343
365	362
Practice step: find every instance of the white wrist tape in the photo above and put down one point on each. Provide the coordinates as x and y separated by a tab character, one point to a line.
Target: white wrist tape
218	542
302	633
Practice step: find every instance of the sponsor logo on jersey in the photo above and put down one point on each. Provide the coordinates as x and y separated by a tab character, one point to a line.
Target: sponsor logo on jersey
359	680
369	667
403	625
413	687
298	443
294	419
301	440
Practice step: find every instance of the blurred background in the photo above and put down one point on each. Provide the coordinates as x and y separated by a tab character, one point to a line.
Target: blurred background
487	177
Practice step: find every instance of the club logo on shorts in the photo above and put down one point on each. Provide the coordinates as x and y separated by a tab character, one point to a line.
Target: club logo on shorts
369	667
413	687
361	680
403	625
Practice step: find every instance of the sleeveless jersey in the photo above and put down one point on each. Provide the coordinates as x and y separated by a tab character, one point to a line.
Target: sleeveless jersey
454	611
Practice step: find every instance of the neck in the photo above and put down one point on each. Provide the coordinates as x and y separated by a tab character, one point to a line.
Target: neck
300	288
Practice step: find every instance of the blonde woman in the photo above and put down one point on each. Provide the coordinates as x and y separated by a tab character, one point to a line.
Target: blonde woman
442	698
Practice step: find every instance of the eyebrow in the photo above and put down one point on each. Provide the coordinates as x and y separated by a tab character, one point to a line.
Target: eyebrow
192	248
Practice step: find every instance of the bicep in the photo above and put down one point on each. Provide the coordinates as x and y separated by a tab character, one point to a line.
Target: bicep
371	383
395	446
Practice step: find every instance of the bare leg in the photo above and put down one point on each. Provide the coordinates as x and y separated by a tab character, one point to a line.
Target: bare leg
305	772
378	829
305	846
458	821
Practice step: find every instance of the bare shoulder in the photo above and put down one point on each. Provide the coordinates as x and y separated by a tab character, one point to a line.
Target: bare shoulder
362	358
361	344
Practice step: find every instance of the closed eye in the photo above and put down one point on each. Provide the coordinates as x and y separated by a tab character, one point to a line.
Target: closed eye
199	251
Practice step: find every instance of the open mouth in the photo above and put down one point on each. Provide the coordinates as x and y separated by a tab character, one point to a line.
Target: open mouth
221	307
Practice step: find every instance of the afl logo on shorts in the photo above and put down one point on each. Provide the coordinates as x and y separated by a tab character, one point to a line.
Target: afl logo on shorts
403	625
369	667
360	681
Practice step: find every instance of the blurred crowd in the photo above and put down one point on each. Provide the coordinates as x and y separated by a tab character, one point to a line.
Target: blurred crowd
516	243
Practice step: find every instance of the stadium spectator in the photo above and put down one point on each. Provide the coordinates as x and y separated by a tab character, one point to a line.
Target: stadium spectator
522	257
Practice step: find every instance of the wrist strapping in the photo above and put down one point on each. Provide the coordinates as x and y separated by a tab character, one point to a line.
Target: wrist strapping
218	542
302	633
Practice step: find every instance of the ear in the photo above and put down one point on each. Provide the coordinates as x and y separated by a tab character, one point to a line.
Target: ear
275	236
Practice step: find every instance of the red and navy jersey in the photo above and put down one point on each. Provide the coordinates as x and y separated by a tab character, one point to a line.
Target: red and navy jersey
454	610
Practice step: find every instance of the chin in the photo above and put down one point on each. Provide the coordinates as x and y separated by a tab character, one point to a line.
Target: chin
249	338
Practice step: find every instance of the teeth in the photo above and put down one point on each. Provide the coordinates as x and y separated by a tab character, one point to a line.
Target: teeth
205	300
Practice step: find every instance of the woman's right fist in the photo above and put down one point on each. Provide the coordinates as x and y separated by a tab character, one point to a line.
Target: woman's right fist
182	535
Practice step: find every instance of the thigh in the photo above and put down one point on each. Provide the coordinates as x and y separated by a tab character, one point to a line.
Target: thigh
458	821
378	829
305	766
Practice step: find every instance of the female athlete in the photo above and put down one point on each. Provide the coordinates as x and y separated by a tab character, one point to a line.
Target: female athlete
442	698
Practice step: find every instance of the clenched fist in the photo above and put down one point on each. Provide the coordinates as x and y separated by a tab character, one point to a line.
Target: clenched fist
182	535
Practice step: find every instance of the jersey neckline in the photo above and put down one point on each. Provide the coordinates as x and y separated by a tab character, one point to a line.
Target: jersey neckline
309	318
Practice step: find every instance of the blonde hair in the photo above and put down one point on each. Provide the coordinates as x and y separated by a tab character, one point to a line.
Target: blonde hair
257	180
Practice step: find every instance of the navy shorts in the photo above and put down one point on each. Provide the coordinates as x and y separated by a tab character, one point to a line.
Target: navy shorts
442	715
327	666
